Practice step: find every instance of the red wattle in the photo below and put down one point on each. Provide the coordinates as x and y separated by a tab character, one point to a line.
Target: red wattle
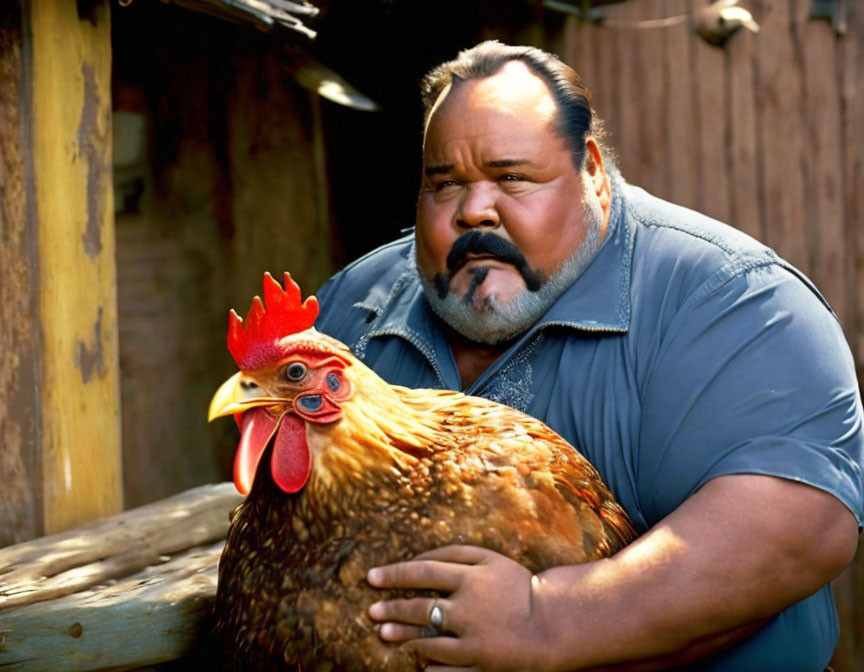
290	462
256	426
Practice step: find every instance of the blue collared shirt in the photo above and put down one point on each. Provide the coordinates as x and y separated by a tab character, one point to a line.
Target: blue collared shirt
684	352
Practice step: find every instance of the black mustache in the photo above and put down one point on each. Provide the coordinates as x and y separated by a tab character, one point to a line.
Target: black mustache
489	245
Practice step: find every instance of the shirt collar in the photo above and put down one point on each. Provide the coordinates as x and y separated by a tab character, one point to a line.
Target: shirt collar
599	300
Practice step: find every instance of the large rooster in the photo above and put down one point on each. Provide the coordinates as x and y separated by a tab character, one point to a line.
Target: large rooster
346	472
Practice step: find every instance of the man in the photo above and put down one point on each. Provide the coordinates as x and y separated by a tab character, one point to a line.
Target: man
705	378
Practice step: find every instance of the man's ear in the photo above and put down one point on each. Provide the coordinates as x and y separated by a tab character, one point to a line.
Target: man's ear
595	173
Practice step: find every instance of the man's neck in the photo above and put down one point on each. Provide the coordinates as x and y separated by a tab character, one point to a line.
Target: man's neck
472	358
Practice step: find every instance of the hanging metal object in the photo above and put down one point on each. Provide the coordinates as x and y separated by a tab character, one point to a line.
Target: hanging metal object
715	23
317	77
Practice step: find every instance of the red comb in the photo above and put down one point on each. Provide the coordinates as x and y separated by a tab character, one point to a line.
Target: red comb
253	342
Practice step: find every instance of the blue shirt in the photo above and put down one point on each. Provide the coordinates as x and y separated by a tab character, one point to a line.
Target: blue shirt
685	351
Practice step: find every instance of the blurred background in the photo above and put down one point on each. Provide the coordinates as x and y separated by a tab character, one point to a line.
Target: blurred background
217	139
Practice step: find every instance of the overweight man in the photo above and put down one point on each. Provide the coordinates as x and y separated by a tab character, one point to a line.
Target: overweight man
706	379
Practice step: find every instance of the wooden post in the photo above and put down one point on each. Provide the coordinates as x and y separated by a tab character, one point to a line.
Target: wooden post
59	400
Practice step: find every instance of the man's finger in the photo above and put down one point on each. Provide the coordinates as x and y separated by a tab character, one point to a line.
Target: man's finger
399	632
465	555
447	650
415	610
421	574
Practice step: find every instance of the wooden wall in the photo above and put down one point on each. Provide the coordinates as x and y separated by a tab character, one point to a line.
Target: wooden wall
232	185
765	133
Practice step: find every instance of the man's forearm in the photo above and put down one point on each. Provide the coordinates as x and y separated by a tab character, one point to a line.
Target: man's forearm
696	651
740	550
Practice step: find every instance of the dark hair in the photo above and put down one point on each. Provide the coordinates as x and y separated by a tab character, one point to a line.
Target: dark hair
576	118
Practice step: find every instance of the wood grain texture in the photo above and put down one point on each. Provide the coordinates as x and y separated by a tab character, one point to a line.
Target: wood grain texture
80	434
779	95
681	112
150	617
817	45
709	80
20	473
745	209
113	547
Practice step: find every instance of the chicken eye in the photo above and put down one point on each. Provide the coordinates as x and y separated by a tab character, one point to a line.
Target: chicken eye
295	372
334	381
310	402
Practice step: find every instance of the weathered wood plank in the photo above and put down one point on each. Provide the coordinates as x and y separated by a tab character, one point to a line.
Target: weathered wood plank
815	44
681	129
20	469
650	87
745	209
780	92
64	563
628	113
273	175
71	108
609	94
851	57
580	55
153	616
713	124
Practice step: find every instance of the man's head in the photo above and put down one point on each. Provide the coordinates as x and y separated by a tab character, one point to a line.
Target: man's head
514	203
576	120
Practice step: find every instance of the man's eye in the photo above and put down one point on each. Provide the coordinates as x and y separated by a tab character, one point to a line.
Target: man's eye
295	372
443	184
510	177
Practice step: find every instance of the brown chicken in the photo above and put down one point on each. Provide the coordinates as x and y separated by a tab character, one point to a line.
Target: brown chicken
345	472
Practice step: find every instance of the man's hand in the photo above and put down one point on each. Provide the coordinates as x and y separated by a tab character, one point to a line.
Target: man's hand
489	621
741	549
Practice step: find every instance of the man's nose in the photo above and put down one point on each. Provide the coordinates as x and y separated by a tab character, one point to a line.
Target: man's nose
477	208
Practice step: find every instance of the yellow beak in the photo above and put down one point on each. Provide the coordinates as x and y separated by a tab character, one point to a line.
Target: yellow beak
231	399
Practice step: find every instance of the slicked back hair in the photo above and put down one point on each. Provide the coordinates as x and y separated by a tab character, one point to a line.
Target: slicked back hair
576	118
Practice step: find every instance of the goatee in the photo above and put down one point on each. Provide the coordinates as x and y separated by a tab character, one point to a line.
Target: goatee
494	322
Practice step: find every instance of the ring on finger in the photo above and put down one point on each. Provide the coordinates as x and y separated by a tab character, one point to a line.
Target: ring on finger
436	616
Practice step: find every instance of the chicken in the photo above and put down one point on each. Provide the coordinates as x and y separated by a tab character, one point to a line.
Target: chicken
345	472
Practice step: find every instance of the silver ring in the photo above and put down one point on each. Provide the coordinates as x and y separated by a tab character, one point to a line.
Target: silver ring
436	616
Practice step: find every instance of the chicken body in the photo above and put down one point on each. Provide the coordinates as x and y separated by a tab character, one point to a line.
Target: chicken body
398	473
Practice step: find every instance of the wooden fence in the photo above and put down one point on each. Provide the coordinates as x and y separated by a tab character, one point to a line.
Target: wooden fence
765	133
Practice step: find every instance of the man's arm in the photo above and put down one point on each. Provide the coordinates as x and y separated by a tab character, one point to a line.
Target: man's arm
741	549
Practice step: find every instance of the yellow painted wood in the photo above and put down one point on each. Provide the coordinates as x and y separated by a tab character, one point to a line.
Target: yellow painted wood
80	416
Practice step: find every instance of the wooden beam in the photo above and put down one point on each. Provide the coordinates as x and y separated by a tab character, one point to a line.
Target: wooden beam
63	563
68	107
69	601
151	617
20	468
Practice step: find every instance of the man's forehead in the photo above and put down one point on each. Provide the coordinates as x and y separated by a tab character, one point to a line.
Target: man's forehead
514	89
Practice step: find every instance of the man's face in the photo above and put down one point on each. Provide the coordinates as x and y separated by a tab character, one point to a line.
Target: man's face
504	218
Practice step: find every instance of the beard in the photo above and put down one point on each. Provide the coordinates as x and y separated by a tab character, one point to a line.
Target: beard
498	322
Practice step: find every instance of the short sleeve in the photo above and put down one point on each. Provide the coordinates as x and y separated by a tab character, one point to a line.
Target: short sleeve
753	376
